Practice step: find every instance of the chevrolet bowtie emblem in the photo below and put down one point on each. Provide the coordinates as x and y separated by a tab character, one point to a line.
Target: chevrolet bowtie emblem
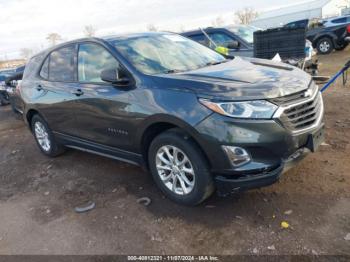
308	93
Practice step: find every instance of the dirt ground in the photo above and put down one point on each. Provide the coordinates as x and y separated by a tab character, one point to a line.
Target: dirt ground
38	196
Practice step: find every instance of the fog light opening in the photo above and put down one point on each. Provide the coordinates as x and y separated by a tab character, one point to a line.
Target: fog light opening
237	155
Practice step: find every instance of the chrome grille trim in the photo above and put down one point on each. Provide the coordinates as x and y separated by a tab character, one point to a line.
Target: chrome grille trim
302	116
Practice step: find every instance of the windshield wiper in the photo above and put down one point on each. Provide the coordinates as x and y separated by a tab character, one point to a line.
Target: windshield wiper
173	71
217	62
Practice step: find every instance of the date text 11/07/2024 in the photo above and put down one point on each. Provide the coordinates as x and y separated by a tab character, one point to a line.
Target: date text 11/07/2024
173	258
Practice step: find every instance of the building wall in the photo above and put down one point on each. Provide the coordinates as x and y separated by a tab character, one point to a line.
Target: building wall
310	10
334	8
345	11
285	19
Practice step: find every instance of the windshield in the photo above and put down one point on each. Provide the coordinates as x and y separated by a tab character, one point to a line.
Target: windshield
245	32
166	53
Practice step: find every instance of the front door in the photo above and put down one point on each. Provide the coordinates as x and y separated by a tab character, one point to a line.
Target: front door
102	109
222	39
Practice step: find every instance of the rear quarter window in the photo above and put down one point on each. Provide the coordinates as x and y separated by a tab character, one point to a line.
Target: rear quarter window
339	20
32	66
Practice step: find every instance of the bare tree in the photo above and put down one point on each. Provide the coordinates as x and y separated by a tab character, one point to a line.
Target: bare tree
152	27
53	38
219	21
89	31
26	53
246	15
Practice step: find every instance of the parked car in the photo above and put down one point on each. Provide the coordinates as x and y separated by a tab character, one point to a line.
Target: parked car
4	98
12	84
325	37
194	119
238	39
335	21
298	24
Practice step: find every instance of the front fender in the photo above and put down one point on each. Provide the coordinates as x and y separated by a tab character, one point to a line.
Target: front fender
167	119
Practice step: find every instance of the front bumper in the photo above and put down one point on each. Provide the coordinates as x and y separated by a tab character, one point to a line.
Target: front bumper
272	148
227	186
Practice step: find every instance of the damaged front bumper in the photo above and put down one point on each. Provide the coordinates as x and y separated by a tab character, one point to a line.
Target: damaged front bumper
227	186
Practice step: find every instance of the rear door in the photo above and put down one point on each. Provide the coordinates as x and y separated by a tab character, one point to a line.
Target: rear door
54	92
102	109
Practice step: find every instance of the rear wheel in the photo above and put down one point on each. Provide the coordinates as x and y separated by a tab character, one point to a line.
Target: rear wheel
325	46
179	168
45	138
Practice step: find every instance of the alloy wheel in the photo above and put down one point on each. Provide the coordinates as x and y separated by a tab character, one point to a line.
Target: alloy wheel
42	136
175	170
324	46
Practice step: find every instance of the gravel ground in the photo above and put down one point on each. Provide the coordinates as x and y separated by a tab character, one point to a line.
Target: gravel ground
38	196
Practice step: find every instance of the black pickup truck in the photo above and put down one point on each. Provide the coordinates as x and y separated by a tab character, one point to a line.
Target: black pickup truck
324	38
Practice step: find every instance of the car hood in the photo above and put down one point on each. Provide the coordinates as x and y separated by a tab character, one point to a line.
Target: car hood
241	79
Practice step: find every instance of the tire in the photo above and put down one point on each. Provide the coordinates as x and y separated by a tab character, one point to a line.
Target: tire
3	99
201	179
341	48
325	46
50	149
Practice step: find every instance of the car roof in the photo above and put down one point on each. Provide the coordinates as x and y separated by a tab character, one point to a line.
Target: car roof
199	31
109	38
229	28
334	18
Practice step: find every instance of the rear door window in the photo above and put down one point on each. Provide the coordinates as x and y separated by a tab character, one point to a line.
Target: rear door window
339	20
62	64
92	60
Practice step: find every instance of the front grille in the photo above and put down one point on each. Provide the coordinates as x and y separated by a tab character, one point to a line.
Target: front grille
303	114
288	99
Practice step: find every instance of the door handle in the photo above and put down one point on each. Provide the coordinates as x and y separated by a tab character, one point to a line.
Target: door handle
39	88
77	92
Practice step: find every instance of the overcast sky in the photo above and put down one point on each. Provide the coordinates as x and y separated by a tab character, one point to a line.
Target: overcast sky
26	23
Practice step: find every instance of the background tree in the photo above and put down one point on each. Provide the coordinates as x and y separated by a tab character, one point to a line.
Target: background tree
26	53
89	31
53	38
246	15
219	21
152	27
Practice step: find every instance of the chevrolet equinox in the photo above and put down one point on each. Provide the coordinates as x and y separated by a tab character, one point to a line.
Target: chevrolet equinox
196	121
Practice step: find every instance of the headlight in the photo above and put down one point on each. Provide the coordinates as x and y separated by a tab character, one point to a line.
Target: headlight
259	109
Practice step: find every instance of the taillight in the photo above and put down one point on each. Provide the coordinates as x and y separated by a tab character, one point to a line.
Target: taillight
348	29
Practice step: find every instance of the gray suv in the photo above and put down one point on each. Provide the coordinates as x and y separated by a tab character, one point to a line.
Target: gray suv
196	121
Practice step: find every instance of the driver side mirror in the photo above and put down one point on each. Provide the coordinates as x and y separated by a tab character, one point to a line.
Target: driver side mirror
233	45
115	76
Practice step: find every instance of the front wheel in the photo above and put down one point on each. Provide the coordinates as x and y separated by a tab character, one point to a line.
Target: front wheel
179	168
325	46
45	138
